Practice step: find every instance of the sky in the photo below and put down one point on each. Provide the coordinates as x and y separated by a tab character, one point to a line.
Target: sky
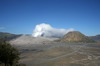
21	16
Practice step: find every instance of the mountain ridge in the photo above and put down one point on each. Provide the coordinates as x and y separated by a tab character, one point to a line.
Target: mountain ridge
10	36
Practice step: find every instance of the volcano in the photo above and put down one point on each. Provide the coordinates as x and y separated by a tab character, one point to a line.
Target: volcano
76	36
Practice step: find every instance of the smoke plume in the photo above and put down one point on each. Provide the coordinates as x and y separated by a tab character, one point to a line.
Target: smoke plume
46	30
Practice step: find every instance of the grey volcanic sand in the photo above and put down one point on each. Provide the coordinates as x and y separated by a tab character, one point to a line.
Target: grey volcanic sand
46	52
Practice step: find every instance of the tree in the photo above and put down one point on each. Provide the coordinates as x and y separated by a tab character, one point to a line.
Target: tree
8	54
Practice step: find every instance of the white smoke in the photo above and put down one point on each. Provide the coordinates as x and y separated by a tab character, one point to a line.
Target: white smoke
45	30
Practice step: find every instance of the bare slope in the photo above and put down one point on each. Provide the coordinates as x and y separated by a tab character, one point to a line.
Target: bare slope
62	54
75	36
28	39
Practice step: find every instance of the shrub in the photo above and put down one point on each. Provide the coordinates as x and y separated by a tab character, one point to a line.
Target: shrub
8	54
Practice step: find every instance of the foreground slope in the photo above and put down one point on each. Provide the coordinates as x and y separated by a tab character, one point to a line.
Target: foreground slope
61	54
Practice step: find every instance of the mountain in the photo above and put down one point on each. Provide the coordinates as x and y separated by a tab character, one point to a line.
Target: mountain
8	36
73	36
96	38
76	36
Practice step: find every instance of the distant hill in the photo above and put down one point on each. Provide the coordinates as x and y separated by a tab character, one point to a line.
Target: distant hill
76	36
8	36
96	38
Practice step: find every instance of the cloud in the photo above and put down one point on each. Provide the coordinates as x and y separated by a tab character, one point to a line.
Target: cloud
1	28
47	30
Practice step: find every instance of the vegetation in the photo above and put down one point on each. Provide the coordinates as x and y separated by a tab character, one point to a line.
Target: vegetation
9	56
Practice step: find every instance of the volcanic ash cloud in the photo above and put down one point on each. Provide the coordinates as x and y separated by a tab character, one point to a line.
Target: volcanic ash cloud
46	30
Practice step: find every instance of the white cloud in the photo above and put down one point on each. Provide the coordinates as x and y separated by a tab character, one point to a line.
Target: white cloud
47	30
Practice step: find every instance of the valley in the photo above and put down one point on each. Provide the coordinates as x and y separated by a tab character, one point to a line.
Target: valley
53	53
